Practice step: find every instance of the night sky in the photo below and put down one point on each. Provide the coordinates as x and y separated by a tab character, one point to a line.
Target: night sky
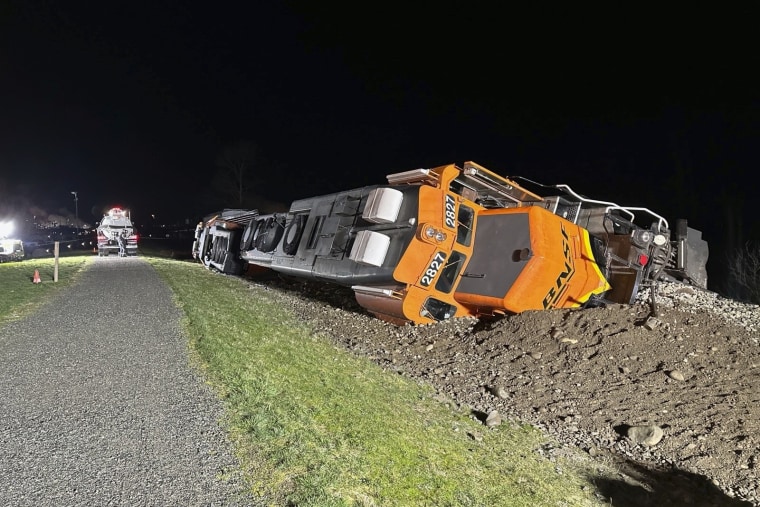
131	103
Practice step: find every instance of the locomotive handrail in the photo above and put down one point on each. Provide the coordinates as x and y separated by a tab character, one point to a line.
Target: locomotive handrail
660	220
580	198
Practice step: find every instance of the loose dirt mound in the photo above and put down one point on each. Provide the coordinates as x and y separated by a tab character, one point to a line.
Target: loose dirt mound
586	377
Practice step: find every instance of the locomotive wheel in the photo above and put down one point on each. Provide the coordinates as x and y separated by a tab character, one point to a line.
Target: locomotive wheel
247	239
258	233
273	230
293	234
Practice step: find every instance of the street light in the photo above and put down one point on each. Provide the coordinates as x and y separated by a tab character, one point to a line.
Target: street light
76	208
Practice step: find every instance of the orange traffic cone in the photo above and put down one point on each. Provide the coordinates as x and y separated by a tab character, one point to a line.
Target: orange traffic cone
36	278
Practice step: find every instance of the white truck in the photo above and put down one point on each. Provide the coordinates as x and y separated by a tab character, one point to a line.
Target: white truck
11	250
116	234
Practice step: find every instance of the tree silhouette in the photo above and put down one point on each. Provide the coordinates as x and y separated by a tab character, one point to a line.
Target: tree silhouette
235	166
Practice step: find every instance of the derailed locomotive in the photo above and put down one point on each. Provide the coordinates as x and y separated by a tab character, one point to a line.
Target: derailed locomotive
451	241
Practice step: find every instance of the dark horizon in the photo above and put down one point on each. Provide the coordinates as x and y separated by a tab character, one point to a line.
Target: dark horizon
131	105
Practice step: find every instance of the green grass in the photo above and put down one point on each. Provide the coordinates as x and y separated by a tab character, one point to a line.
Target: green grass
317	426
19	296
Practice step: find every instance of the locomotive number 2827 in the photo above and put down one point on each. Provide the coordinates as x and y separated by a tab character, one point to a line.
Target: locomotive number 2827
432	270
450	212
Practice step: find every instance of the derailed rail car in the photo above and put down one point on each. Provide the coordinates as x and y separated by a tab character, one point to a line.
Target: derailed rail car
445	242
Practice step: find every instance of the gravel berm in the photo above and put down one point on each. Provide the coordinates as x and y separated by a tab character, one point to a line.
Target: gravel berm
99	403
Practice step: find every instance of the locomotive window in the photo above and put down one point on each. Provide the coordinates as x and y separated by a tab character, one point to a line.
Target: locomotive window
437	309
450	272
464	229
314	236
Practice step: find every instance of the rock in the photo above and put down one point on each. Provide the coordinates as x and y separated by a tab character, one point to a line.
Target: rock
676	375
651	323
475	436
645	435
499	392
493	419
535	355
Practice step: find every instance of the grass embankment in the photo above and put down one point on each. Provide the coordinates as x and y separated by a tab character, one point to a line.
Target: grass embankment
317	426
19	296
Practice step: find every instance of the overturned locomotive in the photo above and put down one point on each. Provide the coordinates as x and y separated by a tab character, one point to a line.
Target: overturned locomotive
446	242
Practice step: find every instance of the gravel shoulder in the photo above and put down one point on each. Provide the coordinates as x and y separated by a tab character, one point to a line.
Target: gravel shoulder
99	404
586	377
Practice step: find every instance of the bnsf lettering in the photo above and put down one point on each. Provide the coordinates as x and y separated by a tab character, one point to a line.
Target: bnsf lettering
450	214
432	270
561	283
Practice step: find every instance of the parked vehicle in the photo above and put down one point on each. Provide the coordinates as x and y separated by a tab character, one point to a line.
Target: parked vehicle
116	234
11	250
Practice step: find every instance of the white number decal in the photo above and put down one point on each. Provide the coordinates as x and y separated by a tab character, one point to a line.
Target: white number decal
432	270
450	213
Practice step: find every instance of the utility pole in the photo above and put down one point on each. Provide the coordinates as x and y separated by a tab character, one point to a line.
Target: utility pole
76	208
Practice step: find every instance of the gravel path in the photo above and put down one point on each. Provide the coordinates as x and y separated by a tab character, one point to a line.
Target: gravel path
99	406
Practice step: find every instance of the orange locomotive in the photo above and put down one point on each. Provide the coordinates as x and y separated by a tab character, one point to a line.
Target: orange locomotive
450	242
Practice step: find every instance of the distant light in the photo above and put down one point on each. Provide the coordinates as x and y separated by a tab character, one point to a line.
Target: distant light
6	228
